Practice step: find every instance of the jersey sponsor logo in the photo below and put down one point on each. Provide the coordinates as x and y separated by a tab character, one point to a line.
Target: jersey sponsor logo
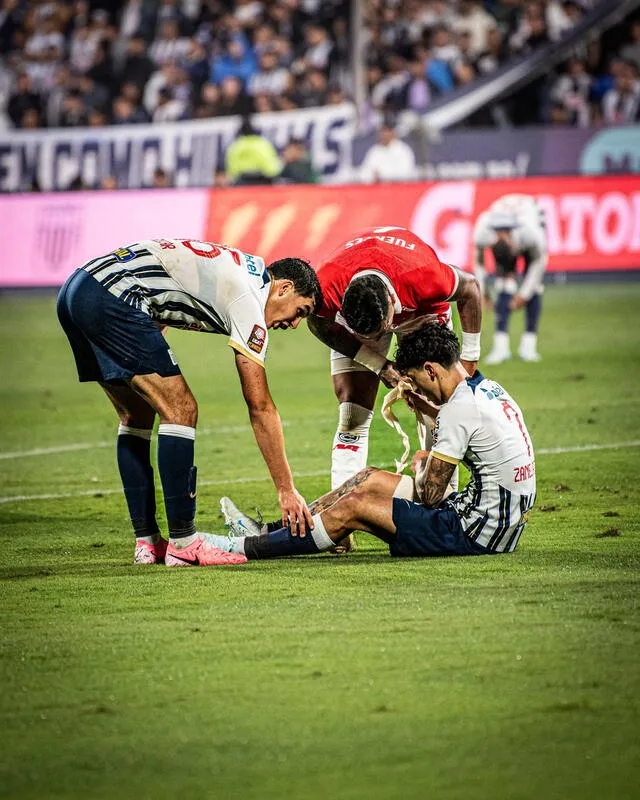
124	254
348	438
435	432
257	338
496	391
252	265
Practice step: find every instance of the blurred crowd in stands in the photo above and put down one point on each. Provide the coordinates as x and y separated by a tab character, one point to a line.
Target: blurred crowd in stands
66	63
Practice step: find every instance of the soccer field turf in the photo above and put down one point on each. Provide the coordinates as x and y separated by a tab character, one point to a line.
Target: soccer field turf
329	677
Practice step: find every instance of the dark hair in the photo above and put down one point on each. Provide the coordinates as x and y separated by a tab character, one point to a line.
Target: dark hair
505	257
432	342
301	274
365	304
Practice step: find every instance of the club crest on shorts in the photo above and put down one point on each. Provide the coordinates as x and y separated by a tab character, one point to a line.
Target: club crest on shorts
257	338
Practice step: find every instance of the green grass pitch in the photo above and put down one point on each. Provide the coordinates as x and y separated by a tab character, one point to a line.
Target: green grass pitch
505	678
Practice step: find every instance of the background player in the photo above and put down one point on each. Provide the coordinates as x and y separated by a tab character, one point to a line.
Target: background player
112	311
513	227
478	424
380	282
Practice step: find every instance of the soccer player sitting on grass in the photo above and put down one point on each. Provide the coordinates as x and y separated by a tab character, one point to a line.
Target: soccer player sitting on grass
113	311
478	424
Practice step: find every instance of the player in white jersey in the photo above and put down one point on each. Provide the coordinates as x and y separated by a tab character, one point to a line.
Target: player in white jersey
114	310
478	424
511	228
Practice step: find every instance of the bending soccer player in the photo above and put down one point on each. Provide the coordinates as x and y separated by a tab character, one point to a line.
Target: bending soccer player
478	424
513	228
113	310
380	282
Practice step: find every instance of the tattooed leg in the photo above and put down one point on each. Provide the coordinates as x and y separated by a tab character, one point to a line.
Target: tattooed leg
372	479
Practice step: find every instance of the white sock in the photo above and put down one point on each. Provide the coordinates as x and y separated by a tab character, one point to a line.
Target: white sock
183	541
351	443
153	539
320	536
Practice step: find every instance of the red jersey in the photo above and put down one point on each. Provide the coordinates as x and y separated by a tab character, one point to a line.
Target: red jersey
419	282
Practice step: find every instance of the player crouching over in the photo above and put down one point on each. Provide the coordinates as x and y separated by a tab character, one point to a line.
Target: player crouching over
479	424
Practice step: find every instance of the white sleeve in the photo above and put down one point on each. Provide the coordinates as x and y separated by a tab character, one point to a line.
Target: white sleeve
537	266
248	328
369	166
455	425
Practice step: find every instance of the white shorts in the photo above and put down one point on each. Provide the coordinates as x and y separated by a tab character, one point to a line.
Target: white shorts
341	363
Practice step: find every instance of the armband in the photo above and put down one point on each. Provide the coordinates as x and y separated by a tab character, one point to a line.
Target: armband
370	359
470	346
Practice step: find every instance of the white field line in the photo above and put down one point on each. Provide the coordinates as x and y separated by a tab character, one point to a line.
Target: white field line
70	448
23	498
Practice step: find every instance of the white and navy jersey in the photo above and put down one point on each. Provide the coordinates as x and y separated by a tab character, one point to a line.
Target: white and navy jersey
523	215
194	285
482	426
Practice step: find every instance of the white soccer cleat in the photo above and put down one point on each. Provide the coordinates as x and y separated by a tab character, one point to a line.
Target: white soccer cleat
501	350
528	350
239	524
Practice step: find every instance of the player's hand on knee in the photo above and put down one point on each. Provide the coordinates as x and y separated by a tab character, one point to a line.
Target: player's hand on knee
389	375
517	303
295	512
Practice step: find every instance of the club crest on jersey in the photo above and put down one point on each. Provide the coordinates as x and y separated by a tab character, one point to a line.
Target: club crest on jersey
257	339
124	254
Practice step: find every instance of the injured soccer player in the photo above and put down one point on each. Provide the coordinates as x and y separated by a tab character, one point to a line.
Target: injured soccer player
478	424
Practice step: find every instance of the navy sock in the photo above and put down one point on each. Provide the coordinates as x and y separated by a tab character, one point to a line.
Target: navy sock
502	311
274	526
134	463
279	543
533	309
178	475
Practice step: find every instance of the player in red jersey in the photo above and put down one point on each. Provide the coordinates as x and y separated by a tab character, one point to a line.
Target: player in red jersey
380	282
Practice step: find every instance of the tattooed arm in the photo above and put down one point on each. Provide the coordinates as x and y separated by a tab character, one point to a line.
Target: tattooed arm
437	476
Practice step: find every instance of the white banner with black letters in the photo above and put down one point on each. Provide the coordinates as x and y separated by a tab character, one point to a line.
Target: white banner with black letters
190	152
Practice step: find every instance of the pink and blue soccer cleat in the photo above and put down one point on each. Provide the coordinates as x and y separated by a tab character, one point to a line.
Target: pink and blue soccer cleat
203	552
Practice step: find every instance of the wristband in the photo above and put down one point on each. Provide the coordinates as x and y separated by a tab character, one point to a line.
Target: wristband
470	346
370	359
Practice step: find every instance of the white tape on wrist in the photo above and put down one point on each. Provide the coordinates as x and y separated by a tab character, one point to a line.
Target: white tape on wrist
370	359
470	346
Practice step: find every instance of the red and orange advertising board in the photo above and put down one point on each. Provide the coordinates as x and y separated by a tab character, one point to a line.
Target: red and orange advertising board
592	223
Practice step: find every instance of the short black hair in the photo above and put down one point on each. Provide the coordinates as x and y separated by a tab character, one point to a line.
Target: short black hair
504	256
432	342
365	304
301	274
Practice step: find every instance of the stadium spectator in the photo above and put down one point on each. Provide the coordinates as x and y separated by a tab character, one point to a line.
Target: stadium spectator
312	90
23	99
74	111
621	104
251	159
169	47
495	53
233	99
161	179
390	159
238	61
137	67
631	51
169	108
271	78
297	164
475	21
571	92
124	112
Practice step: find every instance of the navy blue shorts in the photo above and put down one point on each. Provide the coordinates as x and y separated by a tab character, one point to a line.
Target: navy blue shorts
424	532
111	340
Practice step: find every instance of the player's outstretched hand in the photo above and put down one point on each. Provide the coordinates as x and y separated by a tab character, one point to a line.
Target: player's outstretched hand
517	303
389	375
295	511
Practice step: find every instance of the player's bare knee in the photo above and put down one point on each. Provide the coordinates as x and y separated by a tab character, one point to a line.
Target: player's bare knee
183	411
